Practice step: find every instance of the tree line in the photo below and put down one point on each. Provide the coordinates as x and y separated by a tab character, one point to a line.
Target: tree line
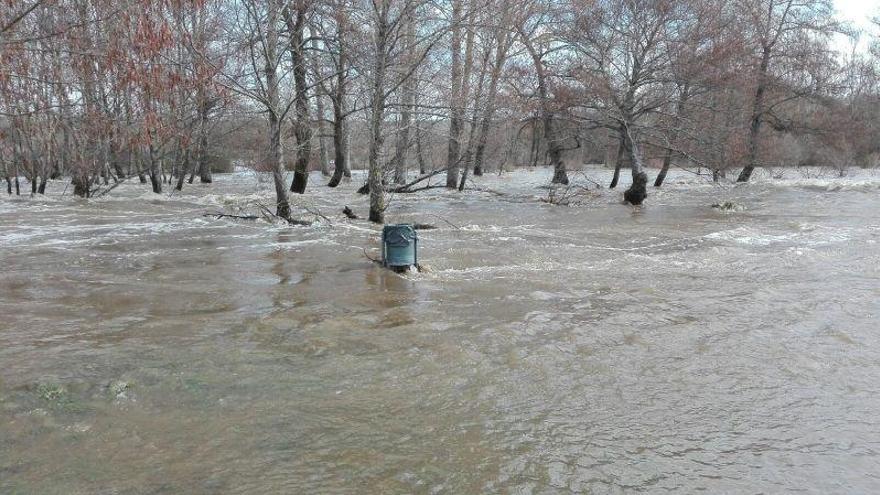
102	91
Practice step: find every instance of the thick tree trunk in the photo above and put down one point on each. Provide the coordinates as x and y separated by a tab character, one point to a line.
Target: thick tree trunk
41	189
154	170
8	185
181	176
323	153
302	127
667	161
339	146
340	136
554	147
637	192
377	191
757	117
81	184
621	151
455	104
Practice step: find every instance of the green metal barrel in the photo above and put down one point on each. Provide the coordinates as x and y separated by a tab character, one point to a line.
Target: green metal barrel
400	245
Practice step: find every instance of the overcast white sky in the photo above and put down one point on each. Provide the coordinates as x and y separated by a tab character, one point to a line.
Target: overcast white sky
859	12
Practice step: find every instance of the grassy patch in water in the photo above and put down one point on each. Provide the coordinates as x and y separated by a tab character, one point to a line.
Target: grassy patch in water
60	398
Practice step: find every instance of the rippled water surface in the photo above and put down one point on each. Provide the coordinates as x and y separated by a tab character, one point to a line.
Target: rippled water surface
148	349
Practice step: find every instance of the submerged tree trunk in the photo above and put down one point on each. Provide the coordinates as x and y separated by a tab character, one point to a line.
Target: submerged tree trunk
204	164
408	99
181	176
282	205
322	147
621	150
637	192
455	104
340	136
323	154
155	171
301	128
504	43
757	117
667	161
339	146
374	181
667	157
554	147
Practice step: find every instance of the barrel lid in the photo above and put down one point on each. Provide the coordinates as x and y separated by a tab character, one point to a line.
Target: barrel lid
397	234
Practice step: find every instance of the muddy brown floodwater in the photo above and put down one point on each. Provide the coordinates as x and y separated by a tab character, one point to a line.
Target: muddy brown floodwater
146	349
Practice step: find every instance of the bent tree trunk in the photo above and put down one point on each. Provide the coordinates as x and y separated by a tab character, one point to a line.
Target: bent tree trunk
554	147
621	150
667	157
757	117
667	161
637	192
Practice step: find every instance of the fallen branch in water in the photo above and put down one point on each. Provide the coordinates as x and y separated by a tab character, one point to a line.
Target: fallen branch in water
445	220
270	214
101	192
317	213
418	189
407	188
225	215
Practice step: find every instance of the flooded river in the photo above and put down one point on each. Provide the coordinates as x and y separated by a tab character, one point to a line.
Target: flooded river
148	349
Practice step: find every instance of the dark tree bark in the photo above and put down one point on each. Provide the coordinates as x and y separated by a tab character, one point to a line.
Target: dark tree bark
301	128
757	117
667	162
181	176
637	192
202	157
619	162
